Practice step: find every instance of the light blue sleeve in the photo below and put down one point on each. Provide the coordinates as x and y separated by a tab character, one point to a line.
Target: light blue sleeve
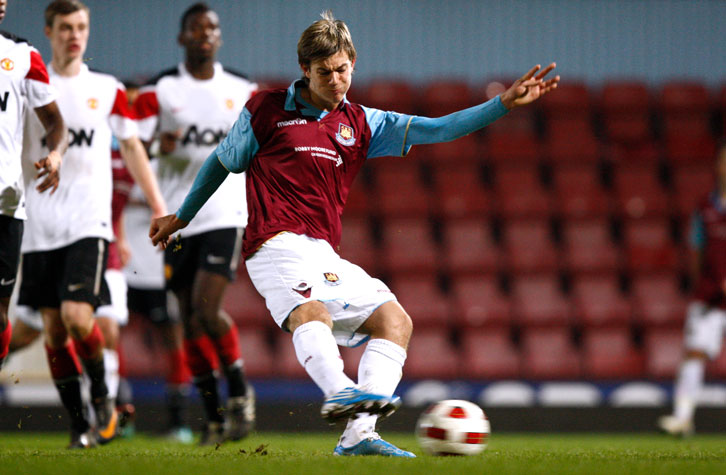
210	176
235	152
393	134
697	236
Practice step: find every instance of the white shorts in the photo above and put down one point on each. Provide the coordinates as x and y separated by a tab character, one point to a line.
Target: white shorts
118	310
30	317
290	270
705	329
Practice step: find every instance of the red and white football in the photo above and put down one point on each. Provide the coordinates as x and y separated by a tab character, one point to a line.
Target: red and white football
453	427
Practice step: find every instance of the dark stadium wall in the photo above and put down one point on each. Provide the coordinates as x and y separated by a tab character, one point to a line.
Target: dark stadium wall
651	40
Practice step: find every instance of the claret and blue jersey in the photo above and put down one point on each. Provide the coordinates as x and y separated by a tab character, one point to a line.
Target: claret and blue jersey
301	161
708	235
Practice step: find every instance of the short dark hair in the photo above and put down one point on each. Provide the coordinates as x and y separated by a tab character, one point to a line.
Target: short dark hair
199	7
63	7
323	39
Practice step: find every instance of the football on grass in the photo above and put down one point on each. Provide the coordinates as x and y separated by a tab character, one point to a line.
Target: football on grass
453	427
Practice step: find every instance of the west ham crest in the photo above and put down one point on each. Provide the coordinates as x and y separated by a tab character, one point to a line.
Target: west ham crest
345	134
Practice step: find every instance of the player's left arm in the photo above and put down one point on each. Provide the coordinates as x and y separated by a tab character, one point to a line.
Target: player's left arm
134	155
56	139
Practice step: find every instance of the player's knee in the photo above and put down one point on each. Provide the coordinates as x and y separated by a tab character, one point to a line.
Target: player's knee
109	329
308	312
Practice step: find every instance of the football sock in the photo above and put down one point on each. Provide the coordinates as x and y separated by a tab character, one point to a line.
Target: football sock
66	372
207	386
201	355
90	350
379	372
235	379
227	347
318	353
178	371
176	402
688	387
5	342
111	367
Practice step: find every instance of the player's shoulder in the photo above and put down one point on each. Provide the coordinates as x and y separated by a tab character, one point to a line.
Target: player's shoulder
267	100
236	74
169	73
6	36
102	75
10	42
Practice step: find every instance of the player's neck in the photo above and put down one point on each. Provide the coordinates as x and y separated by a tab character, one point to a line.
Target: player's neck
67	68
316	101
200	68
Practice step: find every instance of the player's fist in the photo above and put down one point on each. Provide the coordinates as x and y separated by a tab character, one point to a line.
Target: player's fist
162	228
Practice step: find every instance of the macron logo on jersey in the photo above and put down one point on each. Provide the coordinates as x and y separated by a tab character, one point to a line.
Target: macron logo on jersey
286	123
203	137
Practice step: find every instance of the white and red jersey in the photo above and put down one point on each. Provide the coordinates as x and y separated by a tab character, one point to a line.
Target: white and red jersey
94	108
24	84
202	111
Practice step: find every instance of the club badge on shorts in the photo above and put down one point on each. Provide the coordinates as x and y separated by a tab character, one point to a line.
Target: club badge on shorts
345	134
331	278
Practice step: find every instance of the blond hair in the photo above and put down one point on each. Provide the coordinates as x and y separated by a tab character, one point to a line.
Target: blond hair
323	39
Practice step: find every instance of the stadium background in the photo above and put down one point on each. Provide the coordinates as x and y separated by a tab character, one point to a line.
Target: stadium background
544	261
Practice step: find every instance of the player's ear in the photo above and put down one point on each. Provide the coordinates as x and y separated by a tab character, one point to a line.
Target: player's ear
46	30
305	70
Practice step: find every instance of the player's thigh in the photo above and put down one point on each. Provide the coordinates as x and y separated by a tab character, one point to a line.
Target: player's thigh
11	234
84	266
704	329
41	279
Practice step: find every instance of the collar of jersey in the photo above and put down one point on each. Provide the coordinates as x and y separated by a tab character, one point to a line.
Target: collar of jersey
84	69
293	97
185	72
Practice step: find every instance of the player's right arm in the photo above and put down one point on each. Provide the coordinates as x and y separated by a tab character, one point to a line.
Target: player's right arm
56	138
233	154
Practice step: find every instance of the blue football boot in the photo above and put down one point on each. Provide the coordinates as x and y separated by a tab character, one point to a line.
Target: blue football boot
352	400
373	445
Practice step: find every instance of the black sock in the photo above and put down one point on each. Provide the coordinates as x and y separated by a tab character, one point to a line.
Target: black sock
125	394
70	395
236	381
97	375
209	392
176	402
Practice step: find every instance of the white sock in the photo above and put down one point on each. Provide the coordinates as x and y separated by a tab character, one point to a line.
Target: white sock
318	353
110	364
379	372
688	388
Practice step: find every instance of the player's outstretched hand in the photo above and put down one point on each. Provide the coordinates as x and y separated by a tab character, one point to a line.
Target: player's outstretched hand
529	87
50	169
162	228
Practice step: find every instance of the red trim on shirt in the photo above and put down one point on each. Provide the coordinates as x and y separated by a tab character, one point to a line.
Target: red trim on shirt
146	105
121	105
37	69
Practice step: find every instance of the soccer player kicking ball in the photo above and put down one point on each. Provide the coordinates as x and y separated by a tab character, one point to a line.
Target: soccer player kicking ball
302	148
65	246
706	315
190	109
23	82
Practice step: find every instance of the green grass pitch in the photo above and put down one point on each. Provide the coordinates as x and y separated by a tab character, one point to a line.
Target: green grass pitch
275	453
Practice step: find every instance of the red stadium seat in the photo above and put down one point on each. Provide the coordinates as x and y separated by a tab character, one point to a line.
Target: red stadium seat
431	355
489	354
400	190
687	150
610	354
469	248
286	363
549	354
245	305
689	126
478	302
528	247
460	192
644	153
462	151
599	302
408	246
444	96
427	305
579	194
519	193
357	245
258	356
539	301
648	246
577	145
691	184
685	98
520	122
663	352
626	111
391	95
144	354
572	99
657	301
351	359
588	247
511	148
638	193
